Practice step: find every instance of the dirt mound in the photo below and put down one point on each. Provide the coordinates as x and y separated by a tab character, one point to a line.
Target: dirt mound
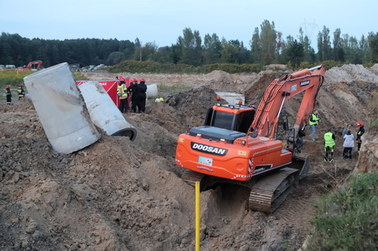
123	195
254	92
191	106
351	73
219	77
368	159
374	68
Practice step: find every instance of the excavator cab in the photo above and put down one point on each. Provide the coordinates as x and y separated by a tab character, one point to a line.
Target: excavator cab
231	117
225	123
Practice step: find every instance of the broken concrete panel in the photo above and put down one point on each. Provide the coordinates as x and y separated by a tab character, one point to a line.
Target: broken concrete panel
61	109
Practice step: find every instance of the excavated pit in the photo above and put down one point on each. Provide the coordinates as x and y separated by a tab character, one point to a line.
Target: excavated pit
122	195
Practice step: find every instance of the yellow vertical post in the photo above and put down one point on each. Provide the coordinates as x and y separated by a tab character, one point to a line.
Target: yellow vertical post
197	219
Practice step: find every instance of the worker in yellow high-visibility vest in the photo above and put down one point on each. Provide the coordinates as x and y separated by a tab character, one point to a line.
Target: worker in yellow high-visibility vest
329	144
313	123
122	95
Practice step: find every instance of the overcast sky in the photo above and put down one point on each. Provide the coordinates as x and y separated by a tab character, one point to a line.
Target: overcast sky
162	21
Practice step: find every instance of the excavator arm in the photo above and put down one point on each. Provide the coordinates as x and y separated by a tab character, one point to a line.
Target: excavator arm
282	89
34	65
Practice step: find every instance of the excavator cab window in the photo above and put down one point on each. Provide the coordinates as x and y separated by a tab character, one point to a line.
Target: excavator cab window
244	120
237	122
223	120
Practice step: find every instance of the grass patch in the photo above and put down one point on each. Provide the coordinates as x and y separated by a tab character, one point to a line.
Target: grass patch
348	219
79	76
168	90
12	78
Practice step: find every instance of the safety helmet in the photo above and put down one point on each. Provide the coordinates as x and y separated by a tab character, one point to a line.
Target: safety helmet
121	78
359	124
135	80
141	80
7	86
20	85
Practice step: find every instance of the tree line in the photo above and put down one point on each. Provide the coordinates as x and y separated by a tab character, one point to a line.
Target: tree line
267	46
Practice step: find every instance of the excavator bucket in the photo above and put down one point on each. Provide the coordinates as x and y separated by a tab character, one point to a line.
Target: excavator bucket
302	163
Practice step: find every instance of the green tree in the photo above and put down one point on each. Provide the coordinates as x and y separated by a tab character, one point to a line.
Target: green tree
353	52
211	49
17	50
294	52
233	51
338	50
373	43
279	48
138	51
115	57
268	42
127	48
364	45
190	45
149	49
308	51
176	53
324	45
256	46
244	56
162	55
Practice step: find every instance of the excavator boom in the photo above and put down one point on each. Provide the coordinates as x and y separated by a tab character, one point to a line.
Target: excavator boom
282	89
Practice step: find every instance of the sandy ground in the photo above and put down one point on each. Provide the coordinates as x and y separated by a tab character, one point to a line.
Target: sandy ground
123	195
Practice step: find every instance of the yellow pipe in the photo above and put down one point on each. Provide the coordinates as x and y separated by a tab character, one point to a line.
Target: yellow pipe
197	220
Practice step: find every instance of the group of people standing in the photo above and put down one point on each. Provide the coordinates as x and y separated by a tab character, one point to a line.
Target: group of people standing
8	93
329	138
135	94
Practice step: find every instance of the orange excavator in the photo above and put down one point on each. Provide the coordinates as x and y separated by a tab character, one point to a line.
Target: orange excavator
32	66
238	143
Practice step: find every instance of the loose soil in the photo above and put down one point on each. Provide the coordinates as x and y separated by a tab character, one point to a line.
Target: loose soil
122	195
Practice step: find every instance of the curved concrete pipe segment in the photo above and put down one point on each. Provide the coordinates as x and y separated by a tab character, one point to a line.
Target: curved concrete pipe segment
152	91
104	113
61	109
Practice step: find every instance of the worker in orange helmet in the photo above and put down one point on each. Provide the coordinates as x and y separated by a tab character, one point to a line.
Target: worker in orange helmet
8	94
360	132
141	95
20	91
